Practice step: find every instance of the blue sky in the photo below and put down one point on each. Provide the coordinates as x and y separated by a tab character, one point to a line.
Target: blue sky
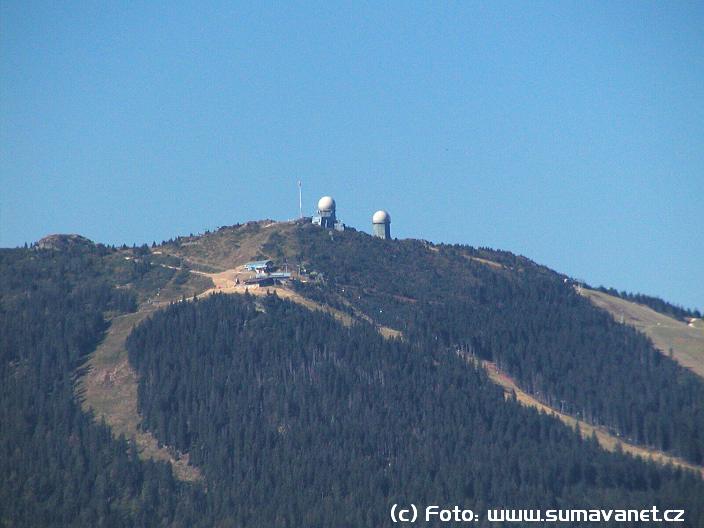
570	132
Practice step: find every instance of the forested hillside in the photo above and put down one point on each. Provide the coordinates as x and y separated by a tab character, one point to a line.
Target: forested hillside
299	421
294	419
527	319
58	467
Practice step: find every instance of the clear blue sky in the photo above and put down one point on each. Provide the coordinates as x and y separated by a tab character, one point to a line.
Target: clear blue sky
570	132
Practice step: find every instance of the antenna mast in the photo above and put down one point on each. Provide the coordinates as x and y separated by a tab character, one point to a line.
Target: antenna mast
300	200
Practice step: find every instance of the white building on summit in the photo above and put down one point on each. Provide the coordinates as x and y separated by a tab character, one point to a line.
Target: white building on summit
381	224
326	217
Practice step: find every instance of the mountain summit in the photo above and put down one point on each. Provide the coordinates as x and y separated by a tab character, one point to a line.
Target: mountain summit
279	373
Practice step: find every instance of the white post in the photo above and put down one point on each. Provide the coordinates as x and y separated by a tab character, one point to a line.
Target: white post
300	201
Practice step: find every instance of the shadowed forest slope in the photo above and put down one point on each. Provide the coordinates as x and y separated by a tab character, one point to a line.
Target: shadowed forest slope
267	395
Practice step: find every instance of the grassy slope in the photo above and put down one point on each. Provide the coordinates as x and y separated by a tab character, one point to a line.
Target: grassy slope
109	389
606	440
230	247
686	342
217	256
109	386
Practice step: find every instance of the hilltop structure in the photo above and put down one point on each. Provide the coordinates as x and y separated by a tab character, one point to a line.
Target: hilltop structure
326	216
266	273
259	266
381	224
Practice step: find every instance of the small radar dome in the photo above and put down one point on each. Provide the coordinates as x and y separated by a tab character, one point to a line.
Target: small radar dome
326	204
381	217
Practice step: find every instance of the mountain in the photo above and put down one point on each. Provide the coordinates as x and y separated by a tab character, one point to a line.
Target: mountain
152	386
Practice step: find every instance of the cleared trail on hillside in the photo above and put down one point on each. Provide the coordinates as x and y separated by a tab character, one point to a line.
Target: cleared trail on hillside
606	440
685	341
224	284
110	386
109	390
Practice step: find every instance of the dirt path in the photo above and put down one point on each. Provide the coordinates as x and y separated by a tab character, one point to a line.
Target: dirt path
109	389
685	340
224	283
606	440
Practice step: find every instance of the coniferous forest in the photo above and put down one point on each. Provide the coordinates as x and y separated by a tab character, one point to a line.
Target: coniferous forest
297	420
526	318
59	467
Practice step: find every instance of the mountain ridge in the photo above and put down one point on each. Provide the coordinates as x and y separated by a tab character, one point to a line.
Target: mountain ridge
223	282
257	243
547	347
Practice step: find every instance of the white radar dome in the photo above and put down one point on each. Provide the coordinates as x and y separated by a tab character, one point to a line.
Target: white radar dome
381	217
326	204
